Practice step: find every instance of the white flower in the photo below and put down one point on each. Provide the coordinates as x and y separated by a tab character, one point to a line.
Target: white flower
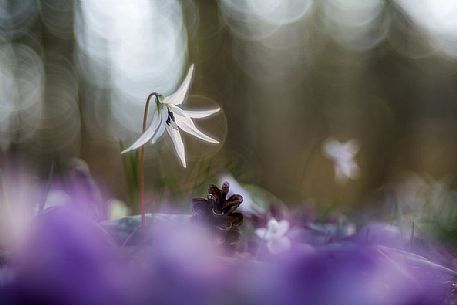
343	155
275	235
168	116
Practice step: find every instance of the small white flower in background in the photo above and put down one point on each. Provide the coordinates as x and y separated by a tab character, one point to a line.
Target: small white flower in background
275	235
168	116
117	209
343	155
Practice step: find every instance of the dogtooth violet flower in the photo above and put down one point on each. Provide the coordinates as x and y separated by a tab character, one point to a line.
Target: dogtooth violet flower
170	117
343	155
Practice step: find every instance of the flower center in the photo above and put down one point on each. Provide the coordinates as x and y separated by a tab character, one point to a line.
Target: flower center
171	117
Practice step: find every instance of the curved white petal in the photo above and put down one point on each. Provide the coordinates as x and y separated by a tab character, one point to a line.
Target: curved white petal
161	128
178	144
188	126
177	110
149	132
199	114
177	97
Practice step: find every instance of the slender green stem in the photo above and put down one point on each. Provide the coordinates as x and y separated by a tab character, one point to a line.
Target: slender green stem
141	163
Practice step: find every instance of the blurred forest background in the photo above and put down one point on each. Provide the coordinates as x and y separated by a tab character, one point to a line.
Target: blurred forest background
74	76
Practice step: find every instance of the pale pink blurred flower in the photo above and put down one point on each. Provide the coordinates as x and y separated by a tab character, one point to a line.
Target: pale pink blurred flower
343	154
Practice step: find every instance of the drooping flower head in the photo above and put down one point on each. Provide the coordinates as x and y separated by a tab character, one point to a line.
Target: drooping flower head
169	116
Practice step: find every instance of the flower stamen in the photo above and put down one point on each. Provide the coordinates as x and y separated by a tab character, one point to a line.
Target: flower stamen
171	118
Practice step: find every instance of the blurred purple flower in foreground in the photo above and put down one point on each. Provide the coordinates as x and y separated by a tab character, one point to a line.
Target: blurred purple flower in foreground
69	258
357	274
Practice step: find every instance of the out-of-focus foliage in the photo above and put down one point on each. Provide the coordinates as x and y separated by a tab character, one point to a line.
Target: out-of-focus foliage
287	74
